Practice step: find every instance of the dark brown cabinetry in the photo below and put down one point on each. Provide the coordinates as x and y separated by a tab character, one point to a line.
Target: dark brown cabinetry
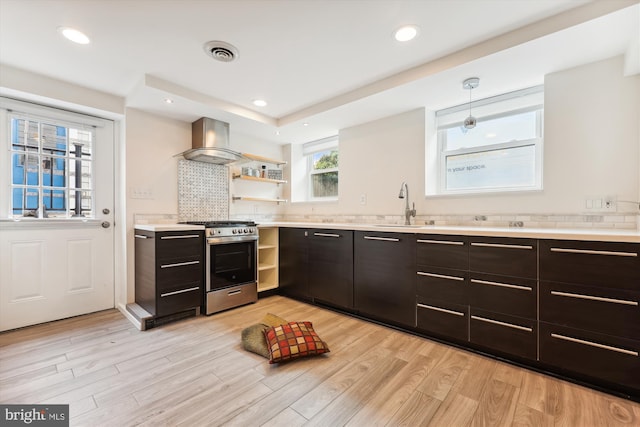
590	310
331	267
317	264
442	286
294	261
503	295
384	276
169	271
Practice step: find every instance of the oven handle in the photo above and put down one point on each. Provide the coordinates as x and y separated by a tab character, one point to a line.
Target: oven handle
230	239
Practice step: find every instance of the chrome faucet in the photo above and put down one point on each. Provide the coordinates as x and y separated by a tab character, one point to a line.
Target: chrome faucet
408	213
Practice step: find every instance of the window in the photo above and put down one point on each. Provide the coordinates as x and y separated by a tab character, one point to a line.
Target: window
502	153
51	168
322	167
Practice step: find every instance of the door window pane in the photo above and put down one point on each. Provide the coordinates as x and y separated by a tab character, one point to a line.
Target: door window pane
50	162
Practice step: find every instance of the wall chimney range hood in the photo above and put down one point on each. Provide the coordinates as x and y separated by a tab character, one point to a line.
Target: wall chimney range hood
210	143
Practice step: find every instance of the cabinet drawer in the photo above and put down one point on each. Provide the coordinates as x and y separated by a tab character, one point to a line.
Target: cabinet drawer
171	244
506	334
502	256
615	360
609	311
443	251
602	264
442	318
169	272
175	300
443	284
508	295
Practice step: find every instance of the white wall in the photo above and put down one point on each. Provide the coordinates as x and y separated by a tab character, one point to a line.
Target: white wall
151	143
591	148
375	158
591	135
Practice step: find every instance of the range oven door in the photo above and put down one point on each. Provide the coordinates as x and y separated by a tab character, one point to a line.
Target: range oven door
230	263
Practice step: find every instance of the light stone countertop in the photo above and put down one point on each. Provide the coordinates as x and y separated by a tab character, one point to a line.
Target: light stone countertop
168	227
586	234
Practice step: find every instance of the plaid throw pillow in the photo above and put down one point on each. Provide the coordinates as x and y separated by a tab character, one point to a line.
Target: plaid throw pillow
293	340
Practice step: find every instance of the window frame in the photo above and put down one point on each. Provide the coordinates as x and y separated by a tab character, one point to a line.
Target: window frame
537	142
67	189
326	144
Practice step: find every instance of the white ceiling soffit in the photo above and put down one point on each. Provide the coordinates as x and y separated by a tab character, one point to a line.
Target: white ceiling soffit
333	64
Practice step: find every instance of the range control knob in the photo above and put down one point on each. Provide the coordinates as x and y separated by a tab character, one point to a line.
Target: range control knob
246	230
234	231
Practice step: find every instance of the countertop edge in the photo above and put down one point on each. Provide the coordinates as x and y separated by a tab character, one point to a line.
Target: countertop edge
601	235
168	227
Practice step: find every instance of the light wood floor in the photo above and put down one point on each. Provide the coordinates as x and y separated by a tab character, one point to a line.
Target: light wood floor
194	372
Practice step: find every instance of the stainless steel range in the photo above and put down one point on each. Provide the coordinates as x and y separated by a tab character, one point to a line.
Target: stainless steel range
231	266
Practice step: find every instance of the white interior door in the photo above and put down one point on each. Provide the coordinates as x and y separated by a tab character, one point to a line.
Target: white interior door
61	265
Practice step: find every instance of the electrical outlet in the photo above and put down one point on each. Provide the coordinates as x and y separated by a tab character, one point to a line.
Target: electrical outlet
609	204
601	203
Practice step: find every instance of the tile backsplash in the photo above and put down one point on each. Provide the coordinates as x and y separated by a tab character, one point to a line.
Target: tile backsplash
203	191
623	221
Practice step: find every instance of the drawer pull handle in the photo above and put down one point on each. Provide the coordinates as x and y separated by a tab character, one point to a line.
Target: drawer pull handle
502	285
384	239
499	245
444	310
141	236
326	235
440	276
593	298
595	344
179	264
508	325
186	236
168	294
234	292
592	252
441	242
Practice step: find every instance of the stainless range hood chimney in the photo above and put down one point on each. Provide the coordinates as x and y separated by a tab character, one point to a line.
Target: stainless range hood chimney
210	143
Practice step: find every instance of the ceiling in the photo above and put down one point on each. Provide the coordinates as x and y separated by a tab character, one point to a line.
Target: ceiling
325	63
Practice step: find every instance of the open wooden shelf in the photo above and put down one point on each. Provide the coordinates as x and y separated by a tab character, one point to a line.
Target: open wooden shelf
262	159
258	179
258	199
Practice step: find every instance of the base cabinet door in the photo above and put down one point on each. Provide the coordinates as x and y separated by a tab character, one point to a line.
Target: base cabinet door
294	262
384	276
331	267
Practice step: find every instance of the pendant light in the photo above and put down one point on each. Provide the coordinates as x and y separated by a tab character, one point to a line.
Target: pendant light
470	84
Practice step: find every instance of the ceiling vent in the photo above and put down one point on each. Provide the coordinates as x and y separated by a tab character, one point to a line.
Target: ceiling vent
221	51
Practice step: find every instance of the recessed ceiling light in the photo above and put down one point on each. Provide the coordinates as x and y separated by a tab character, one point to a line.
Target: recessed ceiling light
168	100
491	135
259	102
74	35
406	33
305	124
